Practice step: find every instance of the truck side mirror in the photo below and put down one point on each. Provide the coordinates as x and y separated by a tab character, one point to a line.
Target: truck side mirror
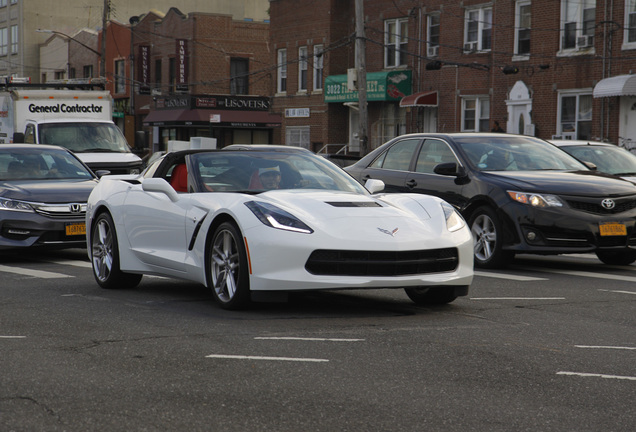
18	137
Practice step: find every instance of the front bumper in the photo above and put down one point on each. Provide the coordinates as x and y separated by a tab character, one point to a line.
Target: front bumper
564	230
22	230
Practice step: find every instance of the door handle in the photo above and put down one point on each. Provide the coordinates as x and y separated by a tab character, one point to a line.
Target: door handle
411	183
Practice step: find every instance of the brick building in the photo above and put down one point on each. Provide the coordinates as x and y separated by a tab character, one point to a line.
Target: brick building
538	67
203	75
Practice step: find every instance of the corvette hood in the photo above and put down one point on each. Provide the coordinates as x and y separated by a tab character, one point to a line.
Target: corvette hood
351	216
58	191
587	183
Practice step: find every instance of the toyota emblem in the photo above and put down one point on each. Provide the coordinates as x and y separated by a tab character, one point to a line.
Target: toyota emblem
608	204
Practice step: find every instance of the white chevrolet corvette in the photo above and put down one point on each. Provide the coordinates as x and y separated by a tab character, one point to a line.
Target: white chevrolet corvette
271	219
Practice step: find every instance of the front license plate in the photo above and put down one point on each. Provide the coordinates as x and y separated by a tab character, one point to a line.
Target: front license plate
613	229
76	229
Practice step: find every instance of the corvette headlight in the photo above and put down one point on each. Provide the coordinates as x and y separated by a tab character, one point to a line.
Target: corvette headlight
536	200
278	218
13	205
454	221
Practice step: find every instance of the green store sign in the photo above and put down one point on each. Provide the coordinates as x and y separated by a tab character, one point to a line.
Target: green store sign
381	86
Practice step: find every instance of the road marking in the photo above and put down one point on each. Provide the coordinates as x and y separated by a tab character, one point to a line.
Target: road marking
240	357
508	276
590	274
74	263
12	337
34	273
517	298
619	292
309	339
605	347
593	375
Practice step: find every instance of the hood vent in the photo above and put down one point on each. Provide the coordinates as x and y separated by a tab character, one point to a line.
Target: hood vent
354	204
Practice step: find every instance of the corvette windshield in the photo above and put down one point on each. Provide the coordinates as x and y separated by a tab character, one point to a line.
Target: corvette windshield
516	154
257	171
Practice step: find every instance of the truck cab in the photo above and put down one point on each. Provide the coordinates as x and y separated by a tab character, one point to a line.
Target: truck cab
98	143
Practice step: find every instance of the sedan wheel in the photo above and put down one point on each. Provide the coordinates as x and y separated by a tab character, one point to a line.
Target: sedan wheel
487	233
228	275
105	256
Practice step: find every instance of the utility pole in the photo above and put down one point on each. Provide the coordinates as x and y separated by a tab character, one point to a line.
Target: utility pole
361	67
102	60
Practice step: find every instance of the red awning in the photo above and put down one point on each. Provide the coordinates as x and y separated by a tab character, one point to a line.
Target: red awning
223	118
425	99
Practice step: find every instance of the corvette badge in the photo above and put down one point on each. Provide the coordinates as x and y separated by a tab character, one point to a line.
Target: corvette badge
391	233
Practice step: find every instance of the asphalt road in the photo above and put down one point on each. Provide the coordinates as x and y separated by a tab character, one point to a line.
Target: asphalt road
547	345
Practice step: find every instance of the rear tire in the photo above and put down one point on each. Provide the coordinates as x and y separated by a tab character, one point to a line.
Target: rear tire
227	269
488	235
105	256
622	258
432	295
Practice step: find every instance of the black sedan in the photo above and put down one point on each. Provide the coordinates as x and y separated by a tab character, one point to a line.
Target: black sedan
43	194
519	194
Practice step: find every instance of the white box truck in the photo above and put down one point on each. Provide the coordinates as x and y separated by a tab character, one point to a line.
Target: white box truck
74	117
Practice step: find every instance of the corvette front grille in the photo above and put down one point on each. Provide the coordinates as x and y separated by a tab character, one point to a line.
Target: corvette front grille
381	263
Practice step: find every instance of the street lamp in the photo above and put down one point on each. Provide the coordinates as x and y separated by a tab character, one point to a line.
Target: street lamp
101	57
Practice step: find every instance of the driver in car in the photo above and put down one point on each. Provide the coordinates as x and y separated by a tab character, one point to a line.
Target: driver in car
269	177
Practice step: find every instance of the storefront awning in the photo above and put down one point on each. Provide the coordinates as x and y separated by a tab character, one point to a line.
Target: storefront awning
214	118
621	85
422	99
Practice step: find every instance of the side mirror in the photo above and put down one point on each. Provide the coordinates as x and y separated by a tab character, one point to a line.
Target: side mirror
374	185
18	137
449	169
590	165
102	173
161	186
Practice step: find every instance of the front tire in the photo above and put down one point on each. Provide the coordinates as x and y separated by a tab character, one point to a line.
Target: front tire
433	295
621	258
227	267
488	235
105	256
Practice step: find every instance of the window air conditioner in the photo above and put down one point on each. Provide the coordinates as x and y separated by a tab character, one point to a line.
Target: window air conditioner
470	47
584	41
433	51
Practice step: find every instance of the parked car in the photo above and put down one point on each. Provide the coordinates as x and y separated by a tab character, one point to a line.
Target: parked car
43	194
269	219
520	194
608	158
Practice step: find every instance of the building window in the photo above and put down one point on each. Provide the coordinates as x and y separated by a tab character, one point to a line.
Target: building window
522	28
630	21
578	23
120	76
281	86
172	74
3	3
475	114
395	42
14	39
72	73
4	41
575	115
59	75
158	73
478	30
318	66
87	71
297	136
14	1
239	76
432	35
302	69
